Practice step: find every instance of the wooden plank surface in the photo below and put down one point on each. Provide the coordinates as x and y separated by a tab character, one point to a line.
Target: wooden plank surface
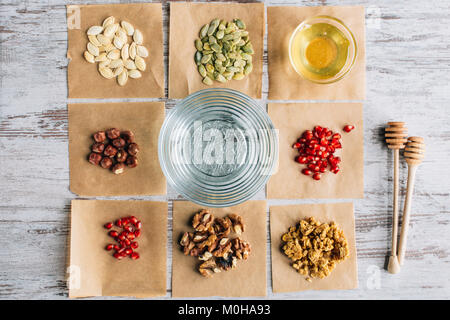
408	78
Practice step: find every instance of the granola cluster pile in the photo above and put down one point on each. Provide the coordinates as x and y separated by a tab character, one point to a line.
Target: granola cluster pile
212	244
315	248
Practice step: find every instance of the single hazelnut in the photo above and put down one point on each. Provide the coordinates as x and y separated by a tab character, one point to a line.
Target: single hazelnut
132	162
99	136
113	133
133	149
95	158
118	143
121	155
118	168
98	147
128	136
110	151
106	163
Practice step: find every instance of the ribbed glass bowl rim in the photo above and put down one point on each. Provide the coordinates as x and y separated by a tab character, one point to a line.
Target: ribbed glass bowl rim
343	28
184	106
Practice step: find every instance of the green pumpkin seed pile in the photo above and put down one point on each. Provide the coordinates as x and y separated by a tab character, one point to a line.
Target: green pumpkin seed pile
224	51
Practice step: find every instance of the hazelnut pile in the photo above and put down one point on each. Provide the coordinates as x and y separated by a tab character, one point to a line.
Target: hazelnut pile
114	149
212	244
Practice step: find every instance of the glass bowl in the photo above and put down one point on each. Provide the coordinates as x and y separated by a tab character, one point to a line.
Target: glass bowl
217	147
351	53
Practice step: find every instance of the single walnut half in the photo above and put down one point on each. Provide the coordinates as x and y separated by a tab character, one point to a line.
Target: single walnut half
237	223
202	221
208	268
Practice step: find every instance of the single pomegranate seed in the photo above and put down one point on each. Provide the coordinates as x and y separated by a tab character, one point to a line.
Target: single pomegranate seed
307	134
336	136
108	225
135	256
335	170
306	172
131	236
137	233
127	242
296	145
109	247
117	255
134	245
119	222
125	221
133	220
128	228
138	225
128	251
116	247
316	176
113	233
349	128
301	159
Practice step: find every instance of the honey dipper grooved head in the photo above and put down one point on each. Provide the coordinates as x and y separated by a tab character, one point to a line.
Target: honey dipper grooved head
396	134
414	151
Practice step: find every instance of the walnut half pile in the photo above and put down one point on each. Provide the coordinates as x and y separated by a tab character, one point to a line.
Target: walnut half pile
315	248
211	242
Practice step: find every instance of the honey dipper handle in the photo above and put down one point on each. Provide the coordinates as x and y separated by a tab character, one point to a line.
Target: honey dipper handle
406	213
395	205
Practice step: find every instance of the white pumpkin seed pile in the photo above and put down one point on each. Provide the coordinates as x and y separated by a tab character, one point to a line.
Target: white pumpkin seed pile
109	46
224	51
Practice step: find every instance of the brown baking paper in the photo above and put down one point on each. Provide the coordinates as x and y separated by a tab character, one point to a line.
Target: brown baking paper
84	79
249	277
144	119
292	120
284	277
285	83
95	272
186	20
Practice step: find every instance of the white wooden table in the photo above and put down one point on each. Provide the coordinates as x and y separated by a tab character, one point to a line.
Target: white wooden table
408	78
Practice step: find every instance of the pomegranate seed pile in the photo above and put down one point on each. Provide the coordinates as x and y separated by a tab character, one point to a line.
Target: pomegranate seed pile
130	230
316	150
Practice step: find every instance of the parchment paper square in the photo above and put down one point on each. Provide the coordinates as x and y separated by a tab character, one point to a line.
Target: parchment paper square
85	81
292	119
284	277
144	119
247	280
285	83
95	272
186	20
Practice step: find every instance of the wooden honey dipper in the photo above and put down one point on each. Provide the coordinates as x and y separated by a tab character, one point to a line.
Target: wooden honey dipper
414	153
396	134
